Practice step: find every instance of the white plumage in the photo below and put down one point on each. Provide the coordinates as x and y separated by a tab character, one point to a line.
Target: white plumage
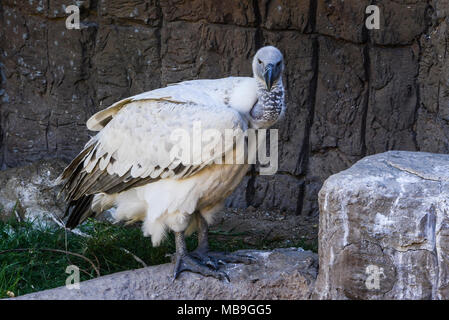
139	137
128	164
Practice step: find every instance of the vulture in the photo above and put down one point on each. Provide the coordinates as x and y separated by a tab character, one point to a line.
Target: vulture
130	164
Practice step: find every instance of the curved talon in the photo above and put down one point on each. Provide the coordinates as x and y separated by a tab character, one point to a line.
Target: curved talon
223	263
205	259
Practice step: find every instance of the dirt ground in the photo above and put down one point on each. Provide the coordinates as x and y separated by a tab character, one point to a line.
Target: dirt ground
260	228
273	227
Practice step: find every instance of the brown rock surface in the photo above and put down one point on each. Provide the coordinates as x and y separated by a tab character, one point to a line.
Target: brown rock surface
350	92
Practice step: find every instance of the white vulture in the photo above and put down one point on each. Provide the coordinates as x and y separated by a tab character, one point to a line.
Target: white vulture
128	165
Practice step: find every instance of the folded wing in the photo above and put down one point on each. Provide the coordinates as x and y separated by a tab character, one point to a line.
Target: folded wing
147	140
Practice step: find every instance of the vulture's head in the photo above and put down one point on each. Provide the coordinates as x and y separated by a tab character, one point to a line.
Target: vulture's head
268	65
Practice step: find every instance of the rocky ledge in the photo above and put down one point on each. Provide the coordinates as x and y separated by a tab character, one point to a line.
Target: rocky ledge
278	274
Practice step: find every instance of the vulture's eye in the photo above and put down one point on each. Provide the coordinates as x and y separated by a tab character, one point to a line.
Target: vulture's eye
278	64
260	61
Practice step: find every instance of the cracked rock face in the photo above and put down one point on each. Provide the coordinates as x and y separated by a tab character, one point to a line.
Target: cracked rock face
278	274
384	229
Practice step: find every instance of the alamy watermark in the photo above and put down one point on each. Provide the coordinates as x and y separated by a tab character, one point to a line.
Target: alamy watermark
374	273
73	280
372	22
229	146
73	20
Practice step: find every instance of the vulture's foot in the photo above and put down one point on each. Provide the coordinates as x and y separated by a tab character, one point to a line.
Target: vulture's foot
204	258
188	263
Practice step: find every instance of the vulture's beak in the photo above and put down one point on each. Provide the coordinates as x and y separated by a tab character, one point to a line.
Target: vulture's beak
268	76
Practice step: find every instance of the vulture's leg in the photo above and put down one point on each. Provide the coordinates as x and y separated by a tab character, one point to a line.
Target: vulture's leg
214	258
202	251
185	262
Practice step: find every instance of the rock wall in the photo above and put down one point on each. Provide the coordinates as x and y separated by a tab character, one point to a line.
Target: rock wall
351	92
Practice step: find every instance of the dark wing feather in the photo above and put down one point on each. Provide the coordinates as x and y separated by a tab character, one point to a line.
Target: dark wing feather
78	211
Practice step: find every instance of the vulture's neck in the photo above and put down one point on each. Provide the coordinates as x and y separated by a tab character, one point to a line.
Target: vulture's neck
269	105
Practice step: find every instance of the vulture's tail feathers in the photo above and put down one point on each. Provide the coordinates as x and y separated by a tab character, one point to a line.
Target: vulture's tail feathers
79	210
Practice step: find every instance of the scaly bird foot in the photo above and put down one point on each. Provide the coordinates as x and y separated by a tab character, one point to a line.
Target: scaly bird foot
189	263
204	258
